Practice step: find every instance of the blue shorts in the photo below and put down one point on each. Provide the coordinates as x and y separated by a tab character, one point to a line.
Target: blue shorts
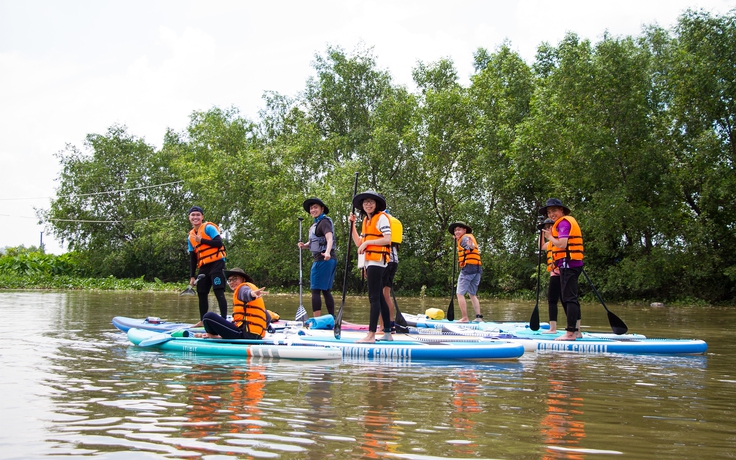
467	283
323	274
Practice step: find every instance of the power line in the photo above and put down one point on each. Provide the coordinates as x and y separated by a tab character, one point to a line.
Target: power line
96	193
109	221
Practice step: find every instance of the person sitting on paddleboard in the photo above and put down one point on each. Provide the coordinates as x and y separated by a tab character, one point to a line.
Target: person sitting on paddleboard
321	244
567	254
207	253
250	317
375	242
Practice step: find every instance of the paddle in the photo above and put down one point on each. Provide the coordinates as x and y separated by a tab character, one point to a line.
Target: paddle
617	325
301	313
399	321
451	308
163	338
534	320
160	338
338	319
189	290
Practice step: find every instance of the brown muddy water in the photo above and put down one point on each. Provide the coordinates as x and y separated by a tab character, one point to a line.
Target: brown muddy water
72	386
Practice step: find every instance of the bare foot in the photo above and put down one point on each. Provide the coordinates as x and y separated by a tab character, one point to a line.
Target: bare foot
199	324
387	337
478	319
207	335
549	331
370	338
464	319
568	336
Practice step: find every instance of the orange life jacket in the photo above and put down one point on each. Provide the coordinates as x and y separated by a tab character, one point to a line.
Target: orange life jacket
251	316
574	249
464	256
205	252
550	260
371	232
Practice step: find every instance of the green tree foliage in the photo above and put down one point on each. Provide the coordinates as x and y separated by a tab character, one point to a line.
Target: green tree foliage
115	204
634	134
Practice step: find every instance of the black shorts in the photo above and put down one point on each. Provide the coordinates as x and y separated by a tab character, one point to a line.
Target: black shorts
215	276
389	273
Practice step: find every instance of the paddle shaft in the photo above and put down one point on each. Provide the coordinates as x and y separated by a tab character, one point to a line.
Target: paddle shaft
617	325
451	308
301	305
534	320
399	320
189	288
153	341
338	320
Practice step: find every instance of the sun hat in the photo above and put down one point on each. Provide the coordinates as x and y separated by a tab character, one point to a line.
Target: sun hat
454	225
310	201
554	202
240	272
380	200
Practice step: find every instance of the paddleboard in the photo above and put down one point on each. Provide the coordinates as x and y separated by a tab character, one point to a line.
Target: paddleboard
236	347
413	350
593	342
422	321
153	323
612	343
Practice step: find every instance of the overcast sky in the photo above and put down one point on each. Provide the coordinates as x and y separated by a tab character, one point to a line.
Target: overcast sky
73	67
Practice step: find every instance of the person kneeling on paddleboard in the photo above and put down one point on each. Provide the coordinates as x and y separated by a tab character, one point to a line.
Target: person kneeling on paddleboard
250	317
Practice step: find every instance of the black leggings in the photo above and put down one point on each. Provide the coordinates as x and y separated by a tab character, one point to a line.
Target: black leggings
569	285
214	279
317	300
553	296
374	273
204	304
217	325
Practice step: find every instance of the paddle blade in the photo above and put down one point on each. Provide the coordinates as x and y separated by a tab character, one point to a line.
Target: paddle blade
188	291
399	321
617	325
534	320
338	324
301	314
451	310
153	341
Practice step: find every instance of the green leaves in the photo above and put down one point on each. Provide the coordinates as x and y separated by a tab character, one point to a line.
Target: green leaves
634	134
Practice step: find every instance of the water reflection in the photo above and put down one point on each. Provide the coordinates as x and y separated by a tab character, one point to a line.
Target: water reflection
73	386
563	424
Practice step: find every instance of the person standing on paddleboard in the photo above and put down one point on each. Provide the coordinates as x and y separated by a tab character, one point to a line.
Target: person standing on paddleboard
471	269
375	242
250	317
206	253
553	291
567	255
322	245
397	230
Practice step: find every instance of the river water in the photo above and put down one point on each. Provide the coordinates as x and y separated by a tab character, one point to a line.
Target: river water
72	386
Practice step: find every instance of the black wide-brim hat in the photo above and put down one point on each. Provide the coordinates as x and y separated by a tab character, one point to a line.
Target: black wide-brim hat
238	271
554	202
380	200
454	225
546	222
310	201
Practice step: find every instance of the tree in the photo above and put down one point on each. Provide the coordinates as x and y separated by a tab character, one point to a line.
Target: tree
117	204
